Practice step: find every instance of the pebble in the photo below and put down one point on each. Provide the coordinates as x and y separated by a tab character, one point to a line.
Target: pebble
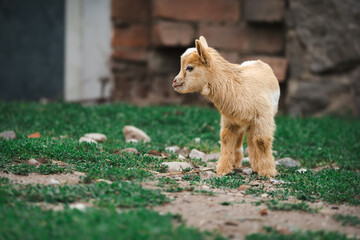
131	140
247	171
78	206
98	137
88	140
247	151
205	187
196	154
274	181
197	140
104	180
131	132
287	163
176	166
243	187
8	135
207	175
33	162
181	157
301	170
212	156
264	212
246	159
264	195
173	149
54	182
130	150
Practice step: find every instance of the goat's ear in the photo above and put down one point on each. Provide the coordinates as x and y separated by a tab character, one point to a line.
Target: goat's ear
203	41
202	51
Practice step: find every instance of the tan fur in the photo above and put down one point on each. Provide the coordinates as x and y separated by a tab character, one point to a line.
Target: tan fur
244	95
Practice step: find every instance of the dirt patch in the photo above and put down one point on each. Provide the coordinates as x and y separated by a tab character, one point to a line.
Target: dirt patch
242	217
36	178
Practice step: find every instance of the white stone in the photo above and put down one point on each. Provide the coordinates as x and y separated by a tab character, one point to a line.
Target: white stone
275	181
104	180
99	137
173	149
8	135
301	170
287	162
78	206
131	140
246	159
247	171
33	162
131	132
196	154
264	195
197	140
176	166
87	140
207	175
130	150
212	156
53	181
181	157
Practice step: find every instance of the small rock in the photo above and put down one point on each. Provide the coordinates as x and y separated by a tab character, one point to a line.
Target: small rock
131	140
207	175
243	187
231	223
98	137
287	163
274	152
78	206
34	135
131	132
255	183
197	140
196	154
130	150
274	181
54	182
205	187
33	162
87	140
8	135
246	159
247	151
264	212
104	180
247	171
264	195
176	166
301	170
212	156
173	149
181	157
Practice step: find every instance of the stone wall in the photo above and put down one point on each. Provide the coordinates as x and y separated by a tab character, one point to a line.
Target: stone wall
323	50
150	35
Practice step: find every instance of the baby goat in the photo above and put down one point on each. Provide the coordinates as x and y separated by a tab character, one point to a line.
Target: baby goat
247	97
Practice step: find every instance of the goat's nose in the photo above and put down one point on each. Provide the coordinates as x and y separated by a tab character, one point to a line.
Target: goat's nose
174	80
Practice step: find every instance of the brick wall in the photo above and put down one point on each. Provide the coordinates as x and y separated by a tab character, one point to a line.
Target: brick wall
150	35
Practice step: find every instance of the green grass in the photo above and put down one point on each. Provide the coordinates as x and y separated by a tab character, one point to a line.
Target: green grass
347	219
30	222
273	234
117	194
311	141
284	206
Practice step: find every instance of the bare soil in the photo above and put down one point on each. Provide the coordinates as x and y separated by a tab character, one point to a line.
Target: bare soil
36	178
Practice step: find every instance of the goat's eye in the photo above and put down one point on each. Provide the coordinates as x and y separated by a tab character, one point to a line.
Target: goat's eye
189	68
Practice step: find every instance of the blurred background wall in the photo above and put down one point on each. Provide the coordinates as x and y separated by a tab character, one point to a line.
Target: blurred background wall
129	50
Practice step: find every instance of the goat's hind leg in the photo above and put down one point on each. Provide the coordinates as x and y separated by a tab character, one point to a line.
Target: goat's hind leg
239	149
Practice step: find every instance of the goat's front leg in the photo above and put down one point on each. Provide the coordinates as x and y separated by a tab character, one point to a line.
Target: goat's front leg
229	140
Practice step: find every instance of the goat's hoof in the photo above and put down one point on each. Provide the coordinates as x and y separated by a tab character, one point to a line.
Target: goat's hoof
223	170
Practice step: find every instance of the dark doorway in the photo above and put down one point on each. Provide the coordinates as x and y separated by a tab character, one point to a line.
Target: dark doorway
31	49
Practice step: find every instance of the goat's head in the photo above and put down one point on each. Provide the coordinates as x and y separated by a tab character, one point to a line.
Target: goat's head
194	72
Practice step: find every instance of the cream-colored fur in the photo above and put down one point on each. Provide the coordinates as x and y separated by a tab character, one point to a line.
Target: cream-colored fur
247	97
